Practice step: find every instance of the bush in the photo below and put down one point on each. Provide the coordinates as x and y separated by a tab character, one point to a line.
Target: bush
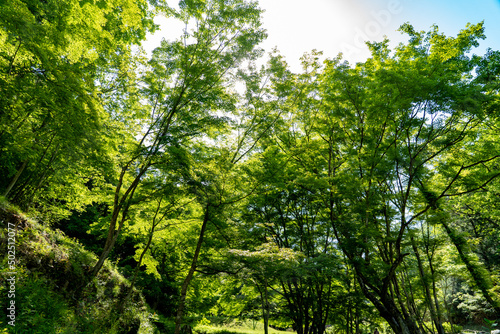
202	329
448	329
40	309
51	270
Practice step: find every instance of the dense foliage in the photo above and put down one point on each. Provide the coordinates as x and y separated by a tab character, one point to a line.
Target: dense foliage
343	198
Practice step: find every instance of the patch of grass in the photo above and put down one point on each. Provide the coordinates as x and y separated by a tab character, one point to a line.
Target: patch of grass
234	329
41	310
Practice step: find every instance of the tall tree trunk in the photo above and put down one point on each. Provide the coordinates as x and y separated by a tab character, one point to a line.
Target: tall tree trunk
266	318
348	321
430	303
16	177
264	304
187	280
108	246
121	205
43	177
292	305
481	280
399	322
430	255
143	253
357	320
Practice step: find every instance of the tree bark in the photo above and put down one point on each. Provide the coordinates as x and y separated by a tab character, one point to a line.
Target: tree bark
264	304
187	280
266	300
16	177
400	322
481	281
430	303
121	204
143	253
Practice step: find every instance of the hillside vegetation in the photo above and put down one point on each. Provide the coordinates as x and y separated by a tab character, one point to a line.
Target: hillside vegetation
208	184
51	292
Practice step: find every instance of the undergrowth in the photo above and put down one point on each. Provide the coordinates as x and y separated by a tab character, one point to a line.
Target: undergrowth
51	291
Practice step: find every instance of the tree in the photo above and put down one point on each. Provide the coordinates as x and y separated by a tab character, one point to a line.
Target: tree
287	210
186	86
395	133
261	268
473	218
57	61
375	138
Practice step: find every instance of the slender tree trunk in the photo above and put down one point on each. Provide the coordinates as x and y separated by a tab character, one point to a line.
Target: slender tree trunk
266	318
436	300
399	322
430	255
108	246
121	204
136	272
410	319
187	280
16	177
446	305
410	297
264	304
327	308
357	320
143	253
481	281
434	315
43	177
296	315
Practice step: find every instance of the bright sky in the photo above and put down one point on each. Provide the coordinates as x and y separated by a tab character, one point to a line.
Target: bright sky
333	26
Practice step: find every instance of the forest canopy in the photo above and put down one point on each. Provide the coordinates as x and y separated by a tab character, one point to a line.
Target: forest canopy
224	186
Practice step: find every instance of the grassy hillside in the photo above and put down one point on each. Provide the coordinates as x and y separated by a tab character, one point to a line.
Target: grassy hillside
51	295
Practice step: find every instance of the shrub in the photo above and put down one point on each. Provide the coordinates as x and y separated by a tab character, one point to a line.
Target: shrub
448	328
